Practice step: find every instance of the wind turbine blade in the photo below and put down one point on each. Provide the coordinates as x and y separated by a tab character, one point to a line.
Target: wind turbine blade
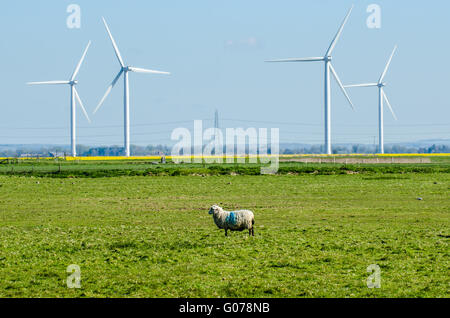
389	105
49	83
387	65
143	70
338	34
116	49
77	69
361	85
340	85
305	59
108	91
81	105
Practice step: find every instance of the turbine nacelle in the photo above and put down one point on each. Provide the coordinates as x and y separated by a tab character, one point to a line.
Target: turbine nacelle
380	85
73	83
327	58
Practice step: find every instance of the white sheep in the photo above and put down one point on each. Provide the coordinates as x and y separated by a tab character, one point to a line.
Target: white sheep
233	220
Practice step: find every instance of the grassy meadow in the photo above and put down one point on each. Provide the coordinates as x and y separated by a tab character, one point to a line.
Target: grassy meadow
148	234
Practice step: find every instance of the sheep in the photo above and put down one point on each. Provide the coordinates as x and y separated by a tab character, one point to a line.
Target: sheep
233	220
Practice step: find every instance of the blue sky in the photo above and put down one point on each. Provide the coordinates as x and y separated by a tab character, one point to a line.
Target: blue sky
215	51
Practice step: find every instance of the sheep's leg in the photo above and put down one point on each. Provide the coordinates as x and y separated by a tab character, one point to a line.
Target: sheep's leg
226	232
249	232
253	231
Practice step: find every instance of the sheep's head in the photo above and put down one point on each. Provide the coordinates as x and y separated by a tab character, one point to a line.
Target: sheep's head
213	209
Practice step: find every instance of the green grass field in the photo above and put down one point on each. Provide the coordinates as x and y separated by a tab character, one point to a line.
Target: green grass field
151	236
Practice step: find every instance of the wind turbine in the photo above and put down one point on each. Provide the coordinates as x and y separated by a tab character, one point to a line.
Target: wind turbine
73	98
328	67
126	99
381	97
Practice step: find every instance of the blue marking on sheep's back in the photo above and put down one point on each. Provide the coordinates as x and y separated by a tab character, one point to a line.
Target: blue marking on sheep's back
231	218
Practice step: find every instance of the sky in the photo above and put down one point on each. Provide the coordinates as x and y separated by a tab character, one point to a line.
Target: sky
215	51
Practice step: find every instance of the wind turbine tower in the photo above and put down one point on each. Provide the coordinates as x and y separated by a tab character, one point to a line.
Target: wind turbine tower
73	98
126	95
216	119
381	98
327	89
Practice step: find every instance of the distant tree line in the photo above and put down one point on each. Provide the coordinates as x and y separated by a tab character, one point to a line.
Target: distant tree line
367	149
435	149
86	151
119	151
